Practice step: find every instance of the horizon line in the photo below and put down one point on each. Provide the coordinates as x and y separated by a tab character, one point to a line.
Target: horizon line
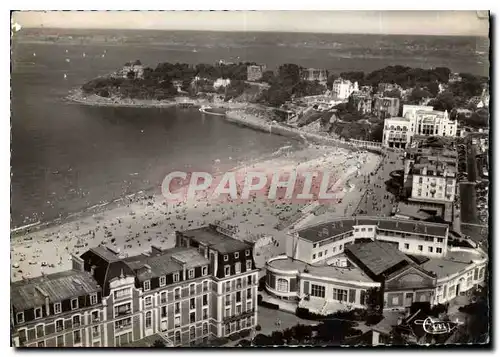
254	31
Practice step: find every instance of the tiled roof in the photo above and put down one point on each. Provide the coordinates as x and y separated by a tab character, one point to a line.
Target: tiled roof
215	240
26	294
319	232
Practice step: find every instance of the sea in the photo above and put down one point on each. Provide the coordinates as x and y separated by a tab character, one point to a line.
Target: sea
67	157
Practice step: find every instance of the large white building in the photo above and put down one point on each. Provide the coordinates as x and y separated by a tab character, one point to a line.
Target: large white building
342	88
332	266
417	120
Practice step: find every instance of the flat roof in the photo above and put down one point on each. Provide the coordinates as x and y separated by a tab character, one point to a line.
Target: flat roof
26	294
452	263
323	231
216	240
352	273
377	256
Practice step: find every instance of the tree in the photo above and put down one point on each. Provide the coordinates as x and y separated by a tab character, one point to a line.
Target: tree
289	74
268	77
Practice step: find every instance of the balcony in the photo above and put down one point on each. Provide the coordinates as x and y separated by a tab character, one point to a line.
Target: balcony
123	312
177	311
177	296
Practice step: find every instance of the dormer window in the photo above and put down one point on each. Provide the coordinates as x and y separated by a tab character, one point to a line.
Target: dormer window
163	280
38	313
226	258
176	277
236	255
147	285
20	317
57	308
93	299
204	270
74	304
247	252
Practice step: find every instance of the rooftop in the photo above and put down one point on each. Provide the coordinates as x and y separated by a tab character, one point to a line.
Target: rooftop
352	272
323	231
216	240
454	262
377	256
26	294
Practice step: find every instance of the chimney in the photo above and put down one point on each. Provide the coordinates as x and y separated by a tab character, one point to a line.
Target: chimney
46	296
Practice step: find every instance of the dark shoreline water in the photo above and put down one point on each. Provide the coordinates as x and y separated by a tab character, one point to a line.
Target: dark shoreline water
67	157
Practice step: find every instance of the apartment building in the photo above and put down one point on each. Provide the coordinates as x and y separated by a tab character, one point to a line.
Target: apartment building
397	133
342	89
429	122
314	74
179	295
362	101
332	266
385	107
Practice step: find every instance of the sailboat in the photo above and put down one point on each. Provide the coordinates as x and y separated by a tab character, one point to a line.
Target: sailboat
68	60
83	54
65	76
66	51
34	54
194	50
103	55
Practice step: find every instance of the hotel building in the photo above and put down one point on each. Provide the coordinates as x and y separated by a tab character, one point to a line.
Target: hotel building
313	74
205	287
255	72
385	107
332	266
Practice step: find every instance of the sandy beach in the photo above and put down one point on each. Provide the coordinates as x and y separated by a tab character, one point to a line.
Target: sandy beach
136	223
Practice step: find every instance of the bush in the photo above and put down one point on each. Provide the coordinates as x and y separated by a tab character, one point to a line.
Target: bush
438	309
424	307
219	341
245	333
258	328
235	336
373	319
262	284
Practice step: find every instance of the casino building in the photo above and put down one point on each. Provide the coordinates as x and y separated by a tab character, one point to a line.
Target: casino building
204	287
331	266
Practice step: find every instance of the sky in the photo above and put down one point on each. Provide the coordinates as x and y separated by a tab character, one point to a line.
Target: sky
453	23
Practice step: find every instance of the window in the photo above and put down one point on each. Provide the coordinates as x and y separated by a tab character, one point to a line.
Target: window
205	300
407	246
249	265
59	325
205	285
122	293
320	254
163	280
205	328
148	319
326	252
227	270
228	300
334	249
440	240
238	283
339	294
356	230
204	270
41	344
177	337
238	296
40	331
249	280
282	285
363	229
247	252
123	324
20	317
395	300
93	299
38	313
249	305
148	302
177	321
227	313
237	268
314	256
60	341
95	331
205	314
163	297
163	311
76	320
74	304
421	248
123	309
192	303
227	329
176	277
191	273
177	308
228	286
340	247
249	293
370	229
315	245
430	249
226	258
95	316
192	289
192	317
177	293
77	337
147	285
317	290
238	310
192	333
